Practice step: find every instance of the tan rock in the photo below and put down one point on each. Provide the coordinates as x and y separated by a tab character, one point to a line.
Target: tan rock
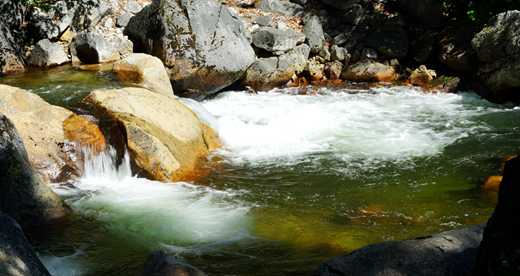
163	136
368	70
67	35
145	70
420	76
85	133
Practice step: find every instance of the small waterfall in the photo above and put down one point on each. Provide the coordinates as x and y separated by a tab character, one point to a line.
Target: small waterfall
105	166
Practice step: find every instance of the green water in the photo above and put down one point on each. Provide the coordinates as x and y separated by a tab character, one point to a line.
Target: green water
269	209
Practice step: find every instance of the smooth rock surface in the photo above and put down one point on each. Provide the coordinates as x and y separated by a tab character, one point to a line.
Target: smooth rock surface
280	7
91	49
450	253
159	263
420	76
272	39
24	196
368	70
267	73
313	32
145	70
17	257
47	54
163	136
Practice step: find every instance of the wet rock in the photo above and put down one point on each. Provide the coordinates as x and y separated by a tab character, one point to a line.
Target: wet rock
498	251
17	257
200	42
163	136
314	70
11	60
41	26
47	54
272	39
368	70
428	12
498	49
92	48
281	7
340	4
390	41
314	34
446	84
267	73
132	7
24	196
450	253
159	263
89	14
41	127
145	70
85	133
300	55
420	76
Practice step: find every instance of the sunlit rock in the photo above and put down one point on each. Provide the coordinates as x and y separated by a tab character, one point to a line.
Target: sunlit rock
267	73
420	76
92	48
47	54
11	60
85	133
23	194
145	70
163	136
492	183
17	257
368	70
159	263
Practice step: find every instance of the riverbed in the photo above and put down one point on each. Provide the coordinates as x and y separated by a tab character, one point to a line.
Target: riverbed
307	173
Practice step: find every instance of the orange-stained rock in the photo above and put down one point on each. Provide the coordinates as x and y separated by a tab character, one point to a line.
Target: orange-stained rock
503	160
444	84
85	133
420	76
368	70
492	183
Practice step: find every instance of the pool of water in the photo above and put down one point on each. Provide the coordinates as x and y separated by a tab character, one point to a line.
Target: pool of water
307	174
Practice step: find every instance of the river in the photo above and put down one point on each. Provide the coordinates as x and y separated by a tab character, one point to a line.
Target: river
307	174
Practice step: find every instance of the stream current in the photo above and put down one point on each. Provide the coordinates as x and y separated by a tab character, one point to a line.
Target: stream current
307	174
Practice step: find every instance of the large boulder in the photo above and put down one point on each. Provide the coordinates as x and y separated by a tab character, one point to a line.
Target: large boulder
41	26
272	39
455	47
144	70
163	136
341	4
428	12
11	60
450	253
280	7
314	36
159	263
47	54
390	41
91	49
88	13
23	194
201	43
41	127
498	252
17	257
267	73
368	70
498	49
13	12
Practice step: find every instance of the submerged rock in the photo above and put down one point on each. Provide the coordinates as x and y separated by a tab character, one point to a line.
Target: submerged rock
159	263
450	253
163	136
145	70
17	257
201	43
23	194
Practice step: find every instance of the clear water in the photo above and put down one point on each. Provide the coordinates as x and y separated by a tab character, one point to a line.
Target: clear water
307	174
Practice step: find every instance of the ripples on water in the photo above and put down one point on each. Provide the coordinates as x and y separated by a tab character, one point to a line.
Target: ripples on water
302	178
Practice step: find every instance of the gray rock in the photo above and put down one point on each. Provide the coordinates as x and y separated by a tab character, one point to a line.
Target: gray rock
263	21
448	253
267	73
347	59
123	20
339	39
114	6
300	2
13	13
300	55
89	14
338	53
41	26
159	263
24	196
353	42
47	54
64	23
422	47
314	34
132	7
354	16
202	45
272	39
281	7
125	46
340	4
92	48
498	251
428	12
356	55
17	257
280	25
368	53
325	54
390	41
11	60
108	23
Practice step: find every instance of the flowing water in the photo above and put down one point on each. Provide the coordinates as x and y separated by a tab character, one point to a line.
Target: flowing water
307	174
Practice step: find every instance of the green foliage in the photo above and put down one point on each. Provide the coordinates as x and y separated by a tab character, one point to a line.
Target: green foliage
41	4
480	11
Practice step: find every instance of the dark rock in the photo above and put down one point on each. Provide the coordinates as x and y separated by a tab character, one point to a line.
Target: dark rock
314	34
340	4
339	39
201	43
123	20
11	60
397	20
41	26
353	42
425	11
91	49
356	55
267	73
446	84
423	47
17	257
450	253
390	41
272	39
498	251
263	21
159	263
455	50
300	2
132	7
13	13
368	53
23	194
368	70
281	7
47	54
354	16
